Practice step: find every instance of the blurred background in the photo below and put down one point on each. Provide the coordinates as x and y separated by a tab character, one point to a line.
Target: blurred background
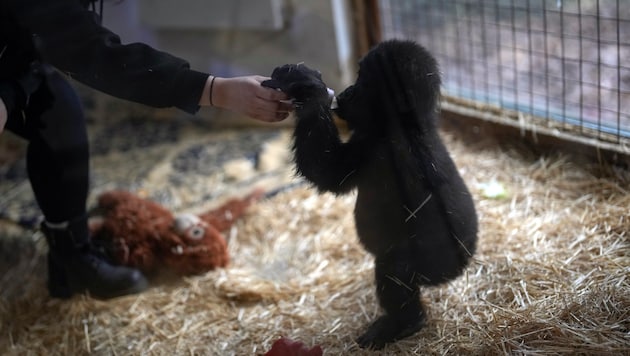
559	61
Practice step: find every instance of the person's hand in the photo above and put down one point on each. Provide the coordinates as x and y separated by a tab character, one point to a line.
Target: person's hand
3	115
246	96
301	83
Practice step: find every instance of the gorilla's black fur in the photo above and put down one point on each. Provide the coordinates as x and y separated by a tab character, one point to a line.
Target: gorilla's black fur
413	211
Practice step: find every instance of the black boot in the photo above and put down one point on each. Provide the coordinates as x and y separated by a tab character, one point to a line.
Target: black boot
74	266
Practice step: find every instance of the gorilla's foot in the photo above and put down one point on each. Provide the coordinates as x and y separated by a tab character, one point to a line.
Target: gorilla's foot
387	329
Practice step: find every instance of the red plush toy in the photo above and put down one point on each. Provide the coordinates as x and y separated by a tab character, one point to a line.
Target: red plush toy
288	347
140	233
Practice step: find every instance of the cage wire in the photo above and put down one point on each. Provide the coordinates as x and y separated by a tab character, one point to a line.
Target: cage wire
562	62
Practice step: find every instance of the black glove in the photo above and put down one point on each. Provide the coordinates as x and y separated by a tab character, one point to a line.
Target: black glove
301	83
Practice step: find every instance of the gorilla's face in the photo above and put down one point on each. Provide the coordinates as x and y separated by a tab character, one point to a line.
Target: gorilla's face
358	105
347	103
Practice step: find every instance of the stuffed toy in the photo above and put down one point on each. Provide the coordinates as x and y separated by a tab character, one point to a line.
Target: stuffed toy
287	347
143	234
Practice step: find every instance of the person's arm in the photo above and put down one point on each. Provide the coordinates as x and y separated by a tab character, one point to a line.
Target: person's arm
71	39
68	36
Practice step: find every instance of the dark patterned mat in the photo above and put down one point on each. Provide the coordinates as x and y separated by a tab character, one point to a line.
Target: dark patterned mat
183	164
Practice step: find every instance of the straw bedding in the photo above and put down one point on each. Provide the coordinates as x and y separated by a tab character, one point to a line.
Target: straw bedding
551	276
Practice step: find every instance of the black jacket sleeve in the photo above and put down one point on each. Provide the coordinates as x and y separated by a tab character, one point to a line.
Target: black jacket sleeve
69	37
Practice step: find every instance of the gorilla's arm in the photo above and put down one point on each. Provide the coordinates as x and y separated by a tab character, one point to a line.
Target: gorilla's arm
320	155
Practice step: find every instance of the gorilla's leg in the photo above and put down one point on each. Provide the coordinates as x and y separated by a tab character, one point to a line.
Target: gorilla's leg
399	296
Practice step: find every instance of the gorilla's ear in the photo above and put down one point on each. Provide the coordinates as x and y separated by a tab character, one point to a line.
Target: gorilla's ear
395	85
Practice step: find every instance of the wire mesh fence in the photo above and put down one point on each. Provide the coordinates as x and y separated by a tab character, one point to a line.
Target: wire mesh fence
567	62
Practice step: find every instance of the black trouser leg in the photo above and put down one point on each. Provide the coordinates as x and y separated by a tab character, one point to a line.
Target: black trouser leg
58	153
57	163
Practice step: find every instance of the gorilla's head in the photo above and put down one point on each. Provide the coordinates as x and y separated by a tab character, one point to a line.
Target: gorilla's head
395	77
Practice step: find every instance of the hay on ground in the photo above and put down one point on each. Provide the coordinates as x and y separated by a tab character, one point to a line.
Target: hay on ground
551	276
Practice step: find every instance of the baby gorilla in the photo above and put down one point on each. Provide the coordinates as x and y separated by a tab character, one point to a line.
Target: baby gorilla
413	211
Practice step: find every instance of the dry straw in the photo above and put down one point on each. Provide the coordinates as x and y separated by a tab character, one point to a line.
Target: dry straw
551	277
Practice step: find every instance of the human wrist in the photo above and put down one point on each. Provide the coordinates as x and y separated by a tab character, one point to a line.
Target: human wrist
217	92
211	90
3	115
209	93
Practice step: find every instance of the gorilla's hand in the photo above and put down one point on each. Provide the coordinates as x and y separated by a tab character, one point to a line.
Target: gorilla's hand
301	83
